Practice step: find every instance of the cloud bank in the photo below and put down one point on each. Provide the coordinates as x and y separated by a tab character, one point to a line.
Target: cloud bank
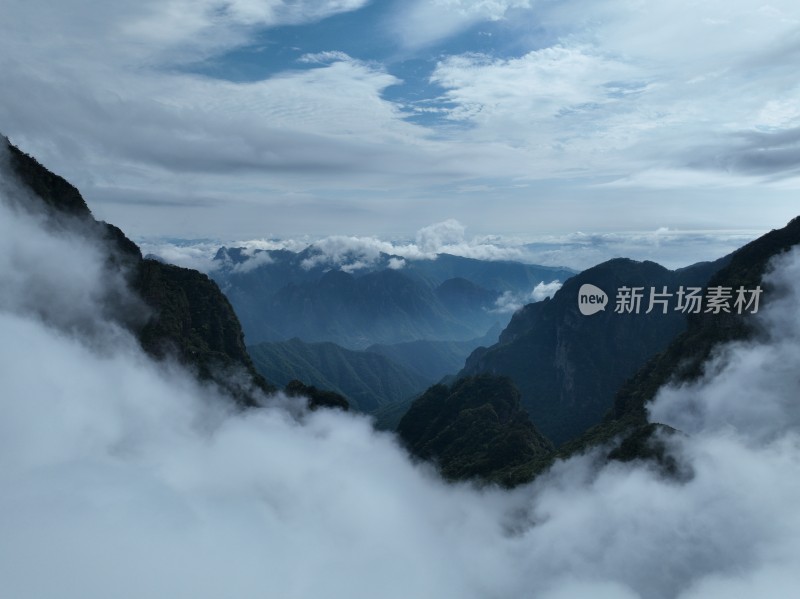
669	247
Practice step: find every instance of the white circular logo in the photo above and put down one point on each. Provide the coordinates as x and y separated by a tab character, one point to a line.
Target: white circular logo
591	299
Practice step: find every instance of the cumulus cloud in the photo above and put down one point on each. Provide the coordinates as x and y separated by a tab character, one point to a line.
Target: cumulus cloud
197	255
672	248
544	290
120	476
510	302
256	260
396	263
349	253
449	232
447	237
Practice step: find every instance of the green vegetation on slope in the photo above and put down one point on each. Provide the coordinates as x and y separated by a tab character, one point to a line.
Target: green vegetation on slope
568	366
368	380
433	360
475	429
317	398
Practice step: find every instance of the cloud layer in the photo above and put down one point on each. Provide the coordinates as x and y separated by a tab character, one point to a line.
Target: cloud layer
579	251
574	115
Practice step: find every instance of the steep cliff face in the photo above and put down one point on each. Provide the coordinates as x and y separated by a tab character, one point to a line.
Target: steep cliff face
186	314
54	191
684	358
568	366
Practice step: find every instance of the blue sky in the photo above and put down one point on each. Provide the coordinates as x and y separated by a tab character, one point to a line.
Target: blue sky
239	119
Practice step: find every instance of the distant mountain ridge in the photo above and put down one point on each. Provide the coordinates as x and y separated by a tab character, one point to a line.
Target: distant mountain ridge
279	294
433	360
379	380
367	379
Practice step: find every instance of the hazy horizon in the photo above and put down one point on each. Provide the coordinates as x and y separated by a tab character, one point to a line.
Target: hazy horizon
578	250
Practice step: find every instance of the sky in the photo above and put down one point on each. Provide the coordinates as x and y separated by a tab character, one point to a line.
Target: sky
125	477
244	119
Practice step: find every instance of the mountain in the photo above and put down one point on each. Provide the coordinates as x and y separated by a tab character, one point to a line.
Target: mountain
624	433
568	366
279	295
684	358
497	275
317	398
186	314
382	380
475	428
433	360
384	306
367	379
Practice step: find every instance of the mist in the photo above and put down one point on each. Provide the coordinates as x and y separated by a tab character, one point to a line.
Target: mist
124	477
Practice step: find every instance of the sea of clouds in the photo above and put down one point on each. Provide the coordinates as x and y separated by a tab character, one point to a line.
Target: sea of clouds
124	477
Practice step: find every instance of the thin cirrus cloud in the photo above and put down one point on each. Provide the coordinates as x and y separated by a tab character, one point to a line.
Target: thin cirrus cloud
425	22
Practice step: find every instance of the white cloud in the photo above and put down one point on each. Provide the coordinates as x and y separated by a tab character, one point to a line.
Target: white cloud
624	90
350	253
591	93
669	247
324	57
744	392
130	123
544	290
396	263
510	302
425	22
536	87
256	260
197	255
446	233
447	237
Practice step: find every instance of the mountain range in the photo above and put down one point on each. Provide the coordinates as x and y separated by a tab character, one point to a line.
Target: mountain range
280	295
